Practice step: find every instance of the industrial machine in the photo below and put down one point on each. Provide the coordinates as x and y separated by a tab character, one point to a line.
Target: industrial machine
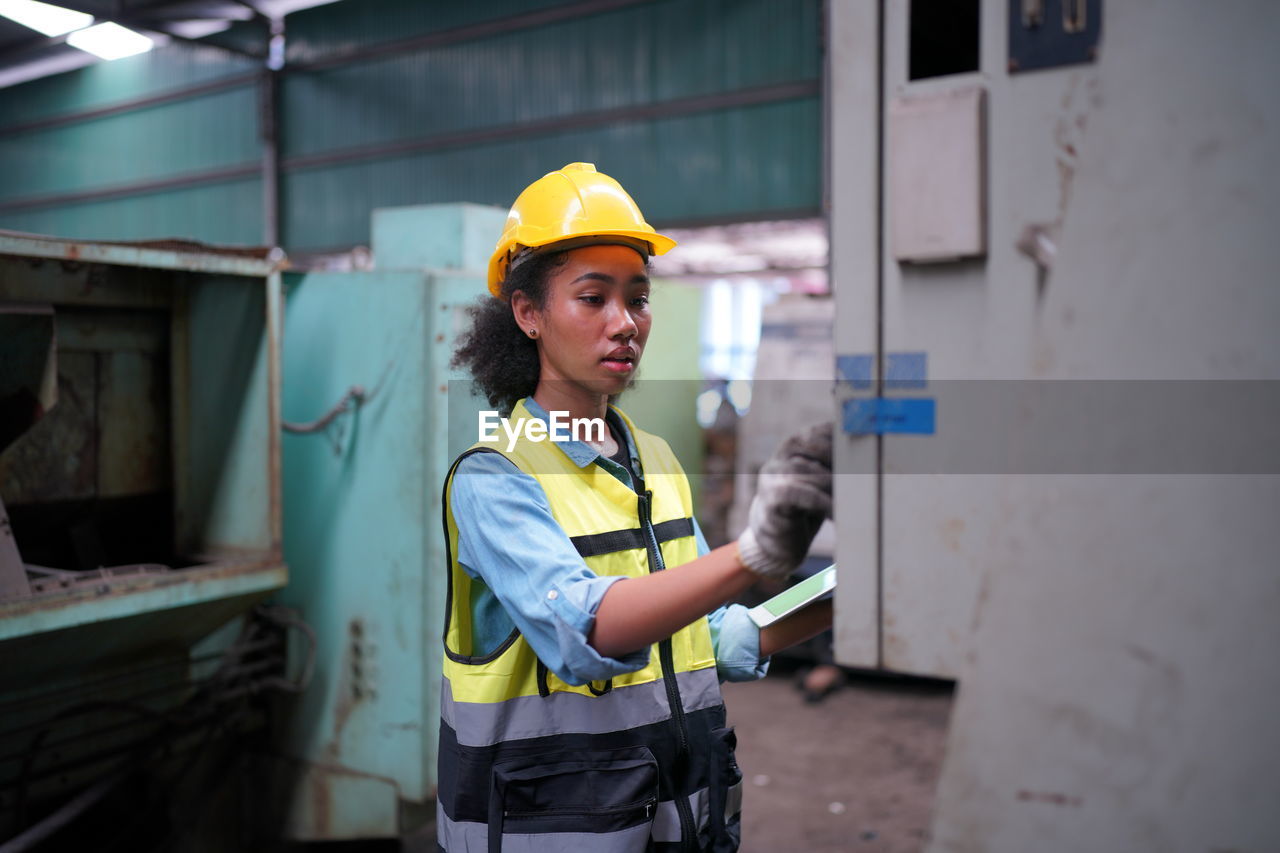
1053	257
140	480
366	366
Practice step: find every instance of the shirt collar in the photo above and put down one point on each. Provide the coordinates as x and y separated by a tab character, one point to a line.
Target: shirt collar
581	453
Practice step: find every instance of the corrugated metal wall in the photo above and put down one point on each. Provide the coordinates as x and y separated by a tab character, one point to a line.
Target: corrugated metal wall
157	145
706	109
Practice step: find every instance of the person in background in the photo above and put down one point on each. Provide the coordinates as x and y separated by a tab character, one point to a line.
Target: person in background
587	629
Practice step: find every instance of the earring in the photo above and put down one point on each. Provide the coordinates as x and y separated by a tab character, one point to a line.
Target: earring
533	333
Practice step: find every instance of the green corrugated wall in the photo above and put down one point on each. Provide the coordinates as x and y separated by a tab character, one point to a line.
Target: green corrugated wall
707	110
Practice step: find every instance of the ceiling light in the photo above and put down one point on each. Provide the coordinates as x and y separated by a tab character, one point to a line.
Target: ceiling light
44	18
110	41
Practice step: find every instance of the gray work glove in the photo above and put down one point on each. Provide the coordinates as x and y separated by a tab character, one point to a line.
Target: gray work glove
792	499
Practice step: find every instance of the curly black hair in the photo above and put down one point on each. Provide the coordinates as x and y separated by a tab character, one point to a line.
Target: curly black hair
502	360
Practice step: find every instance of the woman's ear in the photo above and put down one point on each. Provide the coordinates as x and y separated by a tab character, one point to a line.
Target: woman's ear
524	312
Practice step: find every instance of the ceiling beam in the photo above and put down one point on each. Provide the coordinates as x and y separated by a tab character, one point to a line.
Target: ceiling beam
137	20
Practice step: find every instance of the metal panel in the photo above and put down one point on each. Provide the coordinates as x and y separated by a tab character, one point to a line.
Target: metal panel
854	175
325	32
225	492
201	133
1053	33
938	204
29	471
1120	668
13	577
104	83
779	172
969	319
362	514
1111	632
672	50
228	213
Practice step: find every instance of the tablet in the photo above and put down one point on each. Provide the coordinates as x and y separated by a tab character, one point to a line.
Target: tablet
794	598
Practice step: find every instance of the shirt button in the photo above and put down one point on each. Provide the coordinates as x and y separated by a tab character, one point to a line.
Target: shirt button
553	595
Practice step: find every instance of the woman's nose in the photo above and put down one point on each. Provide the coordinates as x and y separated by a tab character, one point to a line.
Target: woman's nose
621	323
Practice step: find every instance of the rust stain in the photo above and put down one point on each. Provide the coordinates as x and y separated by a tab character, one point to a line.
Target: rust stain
951	532
1066	173
984	592
319	783
1050	797
350	691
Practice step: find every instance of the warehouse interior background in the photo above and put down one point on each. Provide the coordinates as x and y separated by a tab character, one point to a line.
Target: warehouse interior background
1020	251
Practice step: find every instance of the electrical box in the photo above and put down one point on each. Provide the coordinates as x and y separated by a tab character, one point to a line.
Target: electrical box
937	177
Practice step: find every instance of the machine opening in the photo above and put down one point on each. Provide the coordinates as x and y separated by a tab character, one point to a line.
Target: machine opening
944	38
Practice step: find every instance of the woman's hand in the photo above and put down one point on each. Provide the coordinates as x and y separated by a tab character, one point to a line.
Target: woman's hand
792	500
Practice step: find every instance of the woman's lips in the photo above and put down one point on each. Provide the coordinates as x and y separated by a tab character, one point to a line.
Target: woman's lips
618	365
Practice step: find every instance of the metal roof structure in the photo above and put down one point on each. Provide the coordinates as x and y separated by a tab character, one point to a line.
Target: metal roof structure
26	54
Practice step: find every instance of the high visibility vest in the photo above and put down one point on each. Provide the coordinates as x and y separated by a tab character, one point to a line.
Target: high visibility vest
642	761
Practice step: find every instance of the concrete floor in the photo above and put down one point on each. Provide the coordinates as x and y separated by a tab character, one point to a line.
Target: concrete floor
854	772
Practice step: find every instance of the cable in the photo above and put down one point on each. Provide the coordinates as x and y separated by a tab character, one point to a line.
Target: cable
75	807
288	618
352	399
232	679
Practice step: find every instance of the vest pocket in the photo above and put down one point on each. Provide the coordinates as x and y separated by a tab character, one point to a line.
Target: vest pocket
724	804
611	794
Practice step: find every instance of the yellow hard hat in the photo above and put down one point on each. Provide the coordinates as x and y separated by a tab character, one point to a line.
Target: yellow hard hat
576	203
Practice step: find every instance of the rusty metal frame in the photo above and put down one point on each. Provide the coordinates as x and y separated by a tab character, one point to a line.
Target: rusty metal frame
120	593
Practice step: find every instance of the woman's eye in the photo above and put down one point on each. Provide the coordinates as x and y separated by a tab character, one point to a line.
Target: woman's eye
591	299
640	301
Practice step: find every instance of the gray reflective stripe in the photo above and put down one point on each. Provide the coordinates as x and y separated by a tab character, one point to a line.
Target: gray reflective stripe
733	803
470	837
628	707
666	821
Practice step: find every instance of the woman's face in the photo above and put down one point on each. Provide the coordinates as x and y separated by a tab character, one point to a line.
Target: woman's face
595	320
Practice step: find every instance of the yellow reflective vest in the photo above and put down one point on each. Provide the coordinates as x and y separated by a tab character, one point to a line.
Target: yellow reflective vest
643	761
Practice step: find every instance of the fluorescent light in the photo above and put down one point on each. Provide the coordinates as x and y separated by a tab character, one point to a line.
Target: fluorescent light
44	18
110	41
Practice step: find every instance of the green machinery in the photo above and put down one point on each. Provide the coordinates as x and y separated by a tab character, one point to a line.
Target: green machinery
140	479
362	516
147	518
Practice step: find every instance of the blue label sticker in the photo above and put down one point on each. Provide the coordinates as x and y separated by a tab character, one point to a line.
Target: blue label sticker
905	370
880	415
855	369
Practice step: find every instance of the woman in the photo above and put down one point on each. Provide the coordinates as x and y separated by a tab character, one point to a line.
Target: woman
580	707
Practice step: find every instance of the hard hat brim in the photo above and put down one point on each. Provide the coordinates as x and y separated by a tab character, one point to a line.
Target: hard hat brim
659	244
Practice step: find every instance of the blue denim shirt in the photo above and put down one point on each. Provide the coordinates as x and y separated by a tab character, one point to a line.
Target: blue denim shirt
528	575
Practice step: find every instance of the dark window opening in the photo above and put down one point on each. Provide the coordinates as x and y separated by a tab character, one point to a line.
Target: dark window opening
944	37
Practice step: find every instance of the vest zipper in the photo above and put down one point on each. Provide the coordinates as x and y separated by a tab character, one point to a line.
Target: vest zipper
544	690
688	830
